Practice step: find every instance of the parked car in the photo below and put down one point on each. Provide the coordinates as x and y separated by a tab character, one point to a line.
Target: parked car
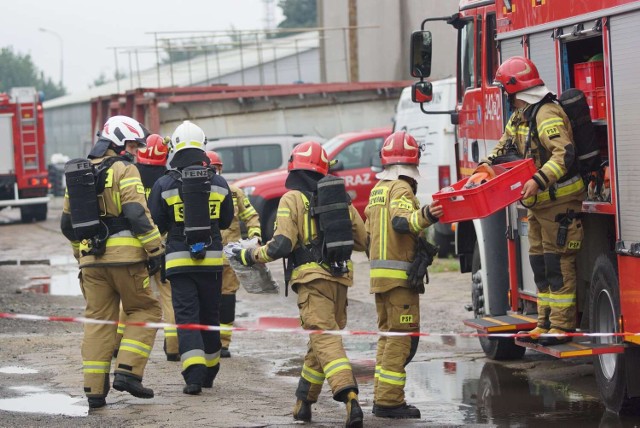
436	136
247	155
355	153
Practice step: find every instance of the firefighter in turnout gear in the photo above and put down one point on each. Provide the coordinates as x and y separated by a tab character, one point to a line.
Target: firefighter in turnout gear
192	205
322	292
394	224
243	211
116	259
553	195
151	161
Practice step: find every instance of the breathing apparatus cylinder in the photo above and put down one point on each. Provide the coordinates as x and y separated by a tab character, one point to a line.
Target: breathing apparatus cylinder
334	222
83	198
196	188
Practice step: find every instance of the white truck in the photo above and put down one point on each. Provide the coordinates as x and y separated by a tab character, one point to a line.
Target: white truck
436	136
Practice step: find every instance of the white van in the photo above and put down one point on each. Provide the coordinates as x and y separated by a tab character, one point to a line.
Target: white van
436	136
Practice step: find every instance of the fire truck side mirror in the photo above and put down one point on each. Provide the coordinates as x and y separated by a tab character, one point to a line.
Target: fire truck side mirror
421	92
420	55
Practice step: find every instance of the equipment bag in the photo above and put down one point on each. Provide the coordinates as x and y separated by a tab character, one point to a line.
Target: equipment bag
334	222
83	198
196	188
574	103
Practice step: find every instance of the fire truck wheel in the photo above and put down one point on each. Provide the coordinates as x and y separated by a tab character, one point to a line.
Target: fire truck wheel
604	310
494	349
29	213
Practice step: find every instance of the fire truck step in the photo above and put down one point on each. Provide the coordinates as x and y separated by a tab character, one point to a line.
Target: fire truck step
574	349
503	323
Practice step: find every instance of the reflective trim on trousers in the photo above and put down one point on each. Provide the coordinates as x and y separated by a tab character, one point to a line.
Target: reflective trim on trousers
312	376
336	366
96	366
136	347
393	378
192	358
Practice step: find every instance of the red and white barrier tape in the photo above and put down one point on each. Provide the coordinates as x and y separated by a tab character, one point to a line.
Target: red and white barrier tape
159	325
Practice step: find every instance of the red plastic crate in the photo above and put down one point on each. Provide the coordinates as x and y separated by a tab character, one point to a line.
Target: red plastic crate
488	198
589	76
601	104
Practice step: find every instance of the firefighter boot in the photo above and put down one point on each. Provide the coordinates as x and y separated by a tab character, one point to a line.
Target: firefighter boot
354	412
132	385
555	340
170	357
534	335
96	402
403	411
224	353
302	411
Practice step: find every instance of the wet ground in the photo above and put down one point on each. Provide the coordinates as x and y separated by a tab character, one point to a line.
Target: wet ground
449	380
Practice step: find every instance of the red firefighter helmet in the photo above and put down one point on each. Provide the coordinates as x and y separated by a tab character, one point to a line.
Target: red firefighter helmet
155	153
309	156
400	148
517	74
214	158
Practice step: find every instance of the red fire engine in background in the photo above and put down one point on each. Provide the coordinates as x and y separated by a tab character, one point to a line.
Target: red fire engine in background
24	179
591	45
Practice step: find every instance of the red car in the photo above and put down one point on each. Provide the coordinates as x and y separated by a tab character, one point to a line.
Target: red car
356	153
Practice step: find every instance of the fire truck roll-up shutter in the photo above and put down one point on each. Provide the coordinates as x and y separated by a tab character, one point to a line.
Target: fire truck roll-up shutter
626	93
543	54
510	48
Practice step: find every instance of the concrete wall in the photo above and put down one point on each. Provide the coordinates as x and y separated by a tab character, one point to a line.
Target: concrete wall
383	51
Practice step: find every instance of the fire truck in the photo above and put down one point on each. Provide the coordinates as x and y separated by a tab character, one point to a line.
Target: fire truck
591	45
24	179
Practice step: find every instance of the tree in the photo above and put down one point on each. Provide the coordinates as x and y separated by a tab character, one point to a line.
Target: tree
298	14
19	70
102	79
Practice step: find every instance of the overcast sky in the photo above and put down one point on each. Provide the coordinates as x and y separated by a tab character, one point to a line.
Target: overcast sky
88	28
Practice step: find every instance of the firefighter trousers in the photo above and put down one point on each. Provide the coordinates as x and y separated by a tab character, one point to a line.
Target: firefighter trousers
104	287
553	265
163	292
398	311
196	300
323	306
230	285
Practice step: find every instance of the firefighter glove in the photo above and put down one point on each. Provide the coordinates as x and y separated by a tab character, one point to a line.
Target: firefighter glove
417	273
244	256
154	264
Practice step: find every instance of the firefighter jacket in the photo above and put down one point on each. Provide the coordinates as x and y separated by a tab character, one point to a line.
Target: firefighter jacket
242	211
123	201
295	228
149	174
167	210
394	222
552	150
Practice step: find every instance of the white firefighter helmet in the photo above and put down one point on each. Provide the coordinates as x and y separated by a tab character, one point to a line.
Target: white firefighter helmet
120	129
187	136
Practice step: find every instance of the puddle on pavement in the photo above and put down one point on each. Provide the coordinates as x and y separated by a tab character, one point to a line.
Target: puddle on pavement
17	370
36	400
488	393
63	280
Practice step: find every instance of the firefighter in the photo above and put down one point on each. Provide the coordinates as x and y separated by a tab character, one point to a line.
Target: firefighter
394	224
322	292
151	161
243	211
116	259
553	195
192	205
